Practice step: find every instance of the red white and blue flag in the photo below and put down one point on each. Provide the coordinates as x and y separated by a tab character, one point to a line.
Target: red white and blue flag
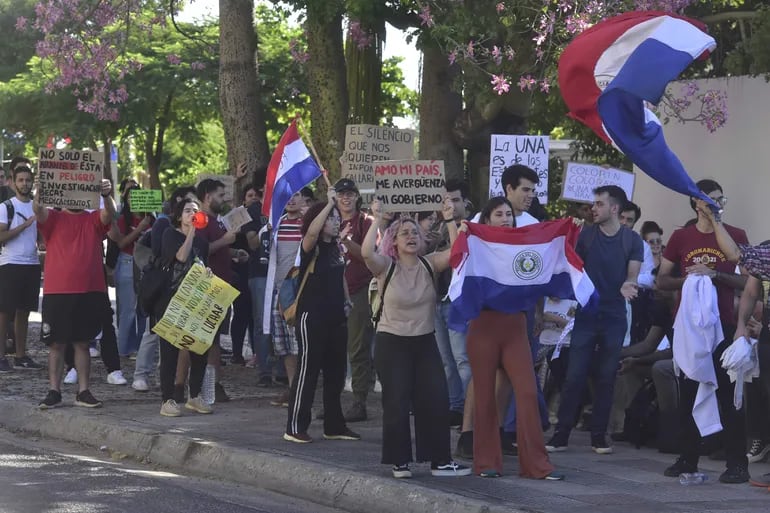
291	168
608	72
510	269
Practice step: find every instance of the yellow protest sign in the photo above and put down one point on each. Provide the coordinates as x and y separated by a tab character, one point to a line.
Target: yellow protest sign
194	314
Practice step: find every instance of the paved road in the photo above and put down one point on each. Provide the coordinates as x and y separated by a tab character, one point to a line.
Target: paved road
64	478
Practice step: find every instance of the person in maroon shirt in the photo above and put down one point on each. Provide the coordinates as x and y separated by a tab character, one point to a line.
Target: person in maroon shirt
211	194
696	250
360	331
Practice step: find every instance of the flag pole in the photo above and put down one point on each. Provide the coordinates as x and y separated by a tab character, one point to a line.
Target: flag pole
324	172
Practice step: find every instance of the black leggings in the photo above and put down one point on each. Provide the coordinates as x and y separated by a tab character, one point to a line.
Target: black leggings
322	346
169	354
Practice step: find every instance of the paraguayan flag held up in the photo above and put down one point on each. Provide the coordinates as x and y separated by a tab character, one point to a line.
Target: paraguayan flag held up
510	269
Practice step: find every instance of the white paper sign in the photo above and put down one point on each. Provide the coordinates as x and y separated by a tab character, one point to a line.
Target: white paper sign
236	218
580	180
528	150
367	144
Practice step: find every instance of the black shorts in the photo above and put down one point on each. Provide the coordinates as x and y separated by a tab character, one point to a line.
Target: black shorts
20	289
70	318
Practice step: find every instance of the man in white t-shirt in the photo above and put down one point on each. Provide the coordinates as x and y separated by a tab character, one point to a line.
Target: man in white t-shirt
19	267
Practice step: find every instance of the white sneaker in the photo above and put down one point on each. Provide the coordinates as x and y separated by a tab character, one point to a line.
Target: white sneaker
348	384
140	385
94	352
116	378
377	386
71	377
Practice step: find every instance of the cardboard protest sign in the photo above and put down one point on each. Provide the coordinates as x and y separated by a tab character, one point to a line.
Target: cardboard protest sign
528	150
146	200
367	144
580	179
228	180
236	218
198	307
410	185
70	178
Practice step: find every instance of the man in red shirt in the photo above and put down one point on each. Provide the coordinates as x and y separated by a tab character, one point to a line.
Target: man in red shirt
73	289
211	194
357	276
696	250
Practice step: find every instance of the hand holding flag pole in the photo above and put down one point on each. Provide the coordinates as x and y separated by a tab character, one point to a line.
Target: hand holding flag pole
324	172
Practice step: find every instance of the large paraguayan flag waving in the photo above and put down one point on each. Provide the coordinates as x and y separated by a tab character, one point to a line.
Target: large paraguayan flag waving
510	269
608	72
291	168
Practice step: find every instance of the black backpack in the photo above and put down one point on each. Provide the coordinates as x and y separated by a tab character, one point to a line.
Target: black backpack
11	211
641	423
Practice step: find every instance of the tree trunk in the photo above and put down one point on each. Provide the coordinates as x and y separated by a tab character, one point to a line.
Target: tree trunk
327	83
364	70
239	90
439	108
109	173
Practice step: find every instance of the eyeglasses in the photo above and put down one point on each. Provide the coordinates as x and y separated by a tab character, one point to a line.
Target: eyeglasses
721	201
654	241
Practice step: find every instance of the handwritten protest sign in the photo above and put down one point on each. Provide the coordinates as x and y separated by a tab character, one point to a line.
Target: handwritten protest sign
528	150
70	178
146	200
367	144
194	314
228	180
580	179
410	185
236	218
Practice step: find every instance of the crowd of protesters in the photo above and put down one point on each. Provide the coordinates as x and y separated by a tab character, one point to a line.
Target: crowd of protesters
373	305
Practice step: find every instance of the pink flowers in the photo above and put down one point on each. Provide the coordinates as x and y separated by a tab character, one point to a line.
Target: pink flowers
21	23
197	66
426	17
500	7
527	82
500	84
452	57
173	59
297	54
359	36
497	55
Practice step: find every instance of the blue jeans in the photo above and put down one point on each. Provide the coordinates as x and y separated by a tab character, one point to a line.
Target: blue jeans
454	356
147	357
131	324
262	344
595	346
534	344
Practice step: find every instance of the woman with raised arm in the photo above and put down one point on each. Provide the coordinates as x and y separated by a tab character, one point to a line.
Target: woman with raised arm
406	355
321	326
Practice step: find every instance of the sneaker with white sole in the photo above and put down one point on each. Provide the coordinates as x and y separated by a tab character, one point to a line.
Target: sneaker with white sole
170	408
297	438
402	471
348	385
198	405
26	363
72	376
94	352
140	385
87	400
116	378
449	469
758	451
52	400
600	446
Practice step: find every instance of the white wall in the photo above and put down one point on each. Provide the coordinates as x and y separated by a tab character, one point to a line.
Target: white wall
736	156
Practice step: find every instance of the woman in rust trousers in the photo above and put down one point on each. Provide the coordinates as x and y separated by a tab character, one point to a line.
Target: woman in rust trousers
499	340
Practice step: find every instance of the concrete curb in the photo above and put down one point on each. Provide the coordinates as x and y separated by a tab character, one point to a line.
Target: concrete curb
334	487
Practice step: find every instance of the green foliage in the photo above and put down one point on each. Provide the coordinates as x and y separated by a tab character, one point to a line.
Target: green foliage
397	99
18	45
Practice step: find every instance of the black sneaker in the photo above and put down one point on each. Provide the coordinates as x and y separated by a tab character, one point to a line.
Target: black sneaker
557	443
220	395
735	475
680	467
401	471
455	419
449	469
345	435
758	451
86	399
4	365
464	449
599	445
26	363
52	400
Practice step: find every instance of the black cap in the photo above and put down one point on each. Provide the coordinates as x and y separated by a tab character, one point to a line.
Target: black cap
345	184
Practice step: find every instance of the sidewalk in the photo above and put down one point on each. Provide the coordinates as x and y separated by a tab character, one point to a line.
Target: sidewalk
242	442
